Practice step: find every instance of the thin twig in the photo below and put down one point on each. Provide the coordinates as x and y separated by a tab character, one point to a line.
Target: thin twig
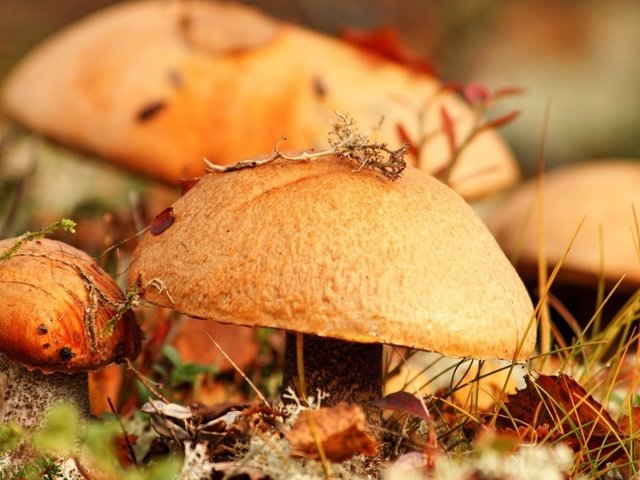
145	381
239	370
132	452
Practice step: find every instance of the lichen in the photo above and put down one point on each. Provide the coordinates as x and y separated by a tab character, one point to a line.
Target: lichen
346	143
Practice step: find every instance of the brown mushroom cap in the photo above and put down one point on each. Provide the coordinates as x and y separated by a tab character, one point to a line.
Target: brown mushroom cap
158	85
317	248
602	194
55	303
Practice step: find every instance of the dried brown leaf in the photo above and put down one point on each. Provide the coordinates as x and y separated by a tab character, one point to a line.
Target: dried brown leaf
556	407
339	429
630	425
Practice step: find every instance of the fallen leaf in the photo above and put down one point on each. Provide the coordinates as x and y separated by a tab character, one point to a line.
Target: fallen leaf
403	402
631	424
339	429
556	407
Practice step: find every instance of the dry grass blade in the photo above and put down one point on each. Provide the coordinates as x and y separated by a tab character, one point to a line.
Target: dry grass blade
239	370
545	318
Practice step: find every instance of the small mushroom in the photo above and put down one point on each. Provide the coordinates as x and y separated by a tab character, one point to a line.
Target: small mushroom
594	200
349	259
158	85
56	305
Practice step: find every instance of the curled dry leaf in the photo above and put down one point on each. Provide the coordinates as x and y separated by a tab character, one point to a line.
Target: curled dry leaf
556	407
339	429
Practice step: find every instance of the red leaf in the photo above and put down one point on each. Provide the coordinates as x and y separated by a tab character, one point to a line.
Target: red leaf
502	120
448	128
162	221
188	184
403	402
385	42
475	93
508	91
404	137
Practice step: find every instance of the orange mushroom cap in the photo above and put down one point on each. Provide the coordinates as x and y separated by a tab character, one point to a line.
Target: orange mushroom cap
56	305
158	85
592	201
317	248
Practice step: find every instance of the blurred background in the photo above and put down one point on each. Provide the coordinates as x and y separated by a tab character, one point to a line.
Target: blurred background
580	57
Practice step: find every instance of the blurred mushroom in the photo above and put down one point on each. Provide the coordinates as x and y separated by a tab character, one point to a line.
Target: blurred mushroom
56	305
350	259
158	85
192	340
602	193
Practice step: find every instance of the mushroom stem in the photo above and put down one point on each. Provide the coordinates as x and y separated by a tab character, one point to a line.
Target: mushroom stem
27	395
348	372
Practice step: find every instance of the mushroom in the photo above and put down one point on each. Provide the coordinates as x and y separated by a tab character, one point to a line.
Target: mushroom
56	310
158	85
602	194
347	258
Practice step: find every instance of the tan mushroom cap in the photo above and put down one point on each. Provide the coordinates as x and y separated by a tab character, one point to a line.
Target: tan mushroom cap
318	248
55	303
158	85
602	193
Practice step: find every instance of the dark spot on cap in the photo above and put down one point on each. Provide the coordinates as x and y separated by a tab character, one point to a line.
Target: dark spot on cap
66	354
150	110
186	185
162	221
175	78
42	329
46	345
319	87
